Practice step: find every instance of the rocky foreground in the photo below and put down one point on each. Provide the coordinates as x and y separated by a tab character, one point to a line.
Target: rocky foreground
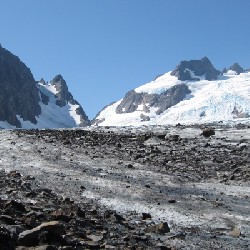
109	188
35	216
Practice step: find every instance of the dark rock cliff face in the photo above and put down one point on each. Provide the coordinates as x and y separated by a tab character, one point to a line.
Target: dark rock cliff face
163	101
63	96
18	92
84	118
201	67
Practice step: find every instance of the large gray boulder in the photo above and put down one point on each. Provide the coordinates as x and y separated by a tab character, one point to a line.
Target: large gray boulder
31	237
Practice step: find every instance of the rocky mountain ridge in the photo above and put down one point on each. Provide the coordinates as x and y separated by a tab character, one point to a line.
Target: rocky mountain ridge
195	92
194	69
63	97
24	103
19	94
168	98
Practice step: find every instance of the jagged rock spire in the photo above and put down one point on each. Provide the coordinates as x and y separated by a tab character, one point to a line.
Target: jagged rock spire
65	96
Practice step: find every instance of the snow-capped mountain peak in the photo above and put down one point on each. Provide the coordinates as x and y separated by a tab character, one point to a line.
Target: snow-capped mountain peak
194	69
59	109
25	103
195	92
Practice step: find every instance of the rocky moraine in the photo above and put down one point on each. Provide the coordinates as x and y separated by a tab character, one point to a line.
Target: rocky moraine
125	188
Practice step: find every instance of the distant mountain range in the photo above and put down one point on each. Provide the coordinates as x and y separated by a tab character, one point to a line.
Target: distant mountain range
194	92
26	103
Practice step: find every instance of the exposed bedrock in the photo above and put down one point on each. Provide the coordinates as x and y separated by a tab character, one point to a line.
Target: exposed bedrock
18	92
200	68
162	101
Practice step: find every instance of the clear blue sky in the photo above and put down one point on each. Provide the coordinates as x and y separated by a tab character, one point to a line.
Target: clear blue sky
104	48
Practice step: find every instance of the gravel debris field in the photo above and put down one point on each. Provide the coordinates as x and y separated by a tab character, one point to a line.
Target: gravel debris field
199	185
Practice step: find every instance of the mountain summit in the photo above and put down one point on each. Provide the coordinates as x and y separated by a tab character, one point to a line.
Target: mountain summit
195	92
25	103
194	70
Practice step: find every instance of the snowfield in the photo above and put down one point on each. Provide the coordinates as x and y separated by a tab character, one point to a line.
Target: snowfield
225	100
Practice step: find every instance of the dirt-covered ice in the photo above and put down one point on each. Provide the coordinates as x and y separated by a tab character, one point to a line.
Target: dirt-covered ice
128	174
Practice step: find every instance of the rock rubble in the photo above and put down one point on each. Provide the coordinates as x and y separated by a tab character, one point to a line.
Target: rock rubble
36	218
181	189
187	159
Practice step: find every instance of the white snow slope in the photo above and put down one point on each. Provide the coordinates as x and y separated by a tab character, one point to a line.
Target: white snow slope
52	116
226	99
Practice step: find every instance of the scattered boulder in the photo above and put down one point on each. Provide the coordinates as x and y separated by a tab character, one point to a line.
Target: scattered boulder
31	237
80	212
16	205
61	215
146	216
235	233
130	166
160	228
172	201
95	238
6	241
7	219
207	132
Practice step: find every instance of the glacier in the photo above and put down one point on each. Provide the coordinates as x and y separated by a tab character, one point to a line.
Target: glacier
225	100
